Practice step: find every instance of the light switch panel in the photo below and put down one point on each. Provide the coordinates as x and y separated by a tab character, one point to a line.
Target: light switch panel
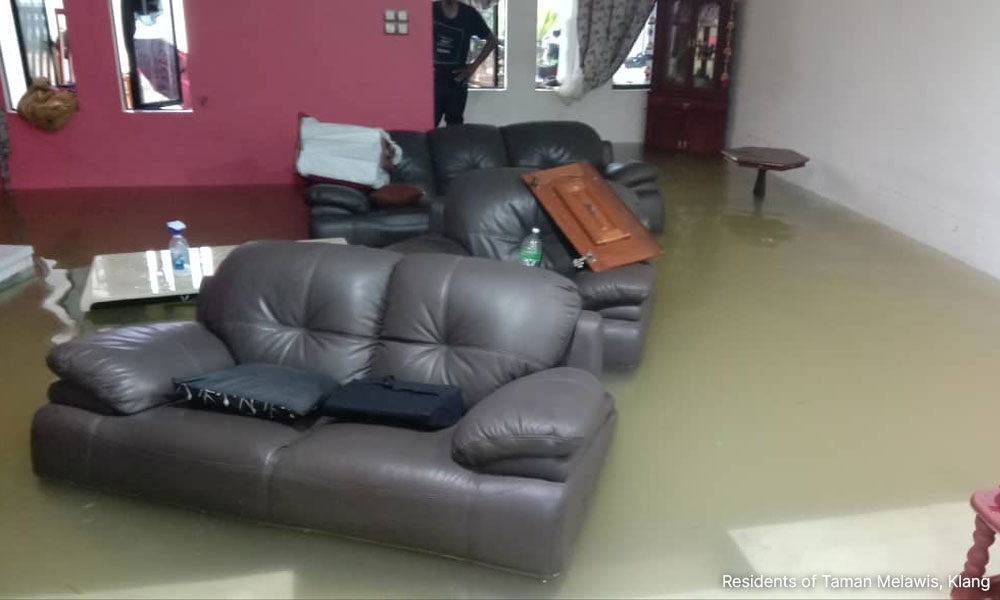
397	22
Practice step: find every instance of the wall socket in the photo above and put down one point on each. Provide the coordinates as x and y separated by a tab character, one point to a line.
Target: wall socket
397	21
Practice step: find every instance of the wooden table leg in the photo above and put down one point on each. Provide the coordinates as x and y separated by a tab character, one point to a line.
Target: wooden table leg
976	559
760	188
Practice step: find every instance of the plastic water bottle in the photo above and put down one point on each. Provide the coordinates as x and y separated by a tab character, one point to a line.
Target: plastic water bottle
530	252
178	247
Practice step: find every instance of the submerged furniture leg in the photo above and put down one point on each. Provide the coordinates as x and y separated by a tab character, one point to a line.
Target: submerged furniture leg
760	188
976	559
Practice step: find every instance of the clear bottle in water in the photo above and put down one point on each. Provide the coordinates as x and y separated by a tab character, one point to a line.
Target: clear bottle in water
530	252
179	257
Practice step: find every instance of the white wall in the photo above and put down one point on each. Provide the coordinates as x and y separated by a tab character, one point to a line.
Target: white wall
618	115
896	101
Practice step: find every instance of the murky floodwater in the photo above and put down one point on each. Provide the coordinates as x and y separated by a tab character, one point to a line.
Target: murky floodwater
816	394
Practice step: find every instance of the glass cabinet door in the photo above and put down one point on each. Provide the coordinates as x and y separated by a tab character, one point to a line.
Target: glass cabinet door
680	43
706	45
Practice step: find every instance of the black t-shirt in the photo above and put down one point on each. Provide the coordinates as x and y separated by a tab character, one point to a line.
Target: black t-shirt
451	39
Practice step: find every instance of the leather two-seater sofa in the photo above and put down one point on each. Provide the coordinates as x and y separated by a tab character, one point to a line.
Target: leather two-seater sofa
432	160
489	213
506	486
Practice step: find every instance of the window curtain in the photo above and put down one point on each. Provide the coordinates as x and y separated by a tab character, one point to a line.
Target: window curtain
606	30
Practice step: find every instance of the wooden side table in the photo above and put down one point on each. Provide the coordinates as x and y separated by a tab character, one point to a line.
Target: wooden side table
986	504
764	160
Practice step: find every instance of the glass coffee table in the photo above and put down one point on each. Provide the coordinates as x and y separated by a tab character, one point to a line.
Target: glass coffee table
149	276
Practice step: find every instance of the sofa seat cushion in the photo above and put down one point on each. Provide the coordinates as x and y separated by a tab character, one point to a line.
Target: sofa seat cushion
347	199
396	195
171	454
402	487
628	285
377	228
433	244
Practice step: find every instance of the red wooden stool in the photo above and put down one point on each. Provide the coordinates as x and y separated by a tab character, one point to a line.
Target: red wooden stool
986	503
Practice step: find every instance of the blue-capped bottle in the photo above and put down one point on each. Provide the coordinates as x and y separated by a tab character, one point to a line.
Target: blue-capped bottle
178	247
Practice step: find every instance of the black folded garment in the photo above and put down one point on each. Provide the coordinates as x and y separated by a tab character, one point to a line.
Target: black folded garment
386	401
273	392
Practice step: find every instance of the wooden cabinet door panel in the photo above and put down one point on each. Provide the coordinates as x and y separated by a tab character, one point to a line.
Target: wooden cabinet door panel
664	125
589	213
705	133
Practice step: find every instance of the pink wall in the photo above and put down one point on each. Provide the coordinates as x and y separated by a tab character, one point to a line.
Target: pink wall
254	65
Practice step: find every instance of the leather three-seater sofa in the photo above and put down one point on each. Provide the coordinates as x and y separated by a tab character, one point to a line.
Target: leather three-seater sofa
432	160
506	486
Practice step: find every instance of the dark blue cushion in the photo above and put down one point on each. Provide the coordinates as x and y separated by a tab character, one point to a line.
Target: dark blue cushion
265	391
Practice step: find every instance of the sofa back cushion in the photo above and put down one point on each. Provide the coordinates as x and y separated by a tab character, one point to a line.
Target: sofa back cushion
474	323
460	148
491	212
351	311
545	144
416	167
308	305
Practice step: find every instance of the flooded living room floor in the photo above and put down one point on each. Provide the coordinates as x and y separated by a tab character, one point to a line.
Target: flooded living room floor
816	398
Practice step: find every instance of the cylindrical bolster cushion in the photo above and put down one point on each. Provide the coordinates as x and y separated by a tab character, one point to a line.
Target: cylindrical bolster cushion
131	369
550	414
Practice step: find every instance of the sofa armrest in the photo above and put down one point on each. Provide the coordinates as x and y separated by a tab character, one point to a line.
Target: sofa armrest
337	196
534	426
586	351
632	174
627	285
131	369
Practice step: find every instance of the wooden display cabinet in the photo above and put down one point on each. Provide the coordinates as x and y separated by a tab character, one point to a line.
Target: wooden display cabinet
689	92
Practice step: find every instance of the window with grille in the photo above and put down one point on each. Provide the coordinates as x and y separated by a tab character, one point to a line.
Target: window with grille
34	43
492	74
151	40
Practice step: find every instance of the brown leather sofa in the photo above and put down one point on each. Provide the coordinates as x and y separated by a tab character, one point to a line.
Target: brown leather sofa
506	486
489	213
432	160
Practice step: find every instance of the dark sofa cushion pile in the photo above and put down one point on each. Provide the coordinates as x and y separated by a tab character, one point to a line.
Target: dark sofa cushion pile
273	392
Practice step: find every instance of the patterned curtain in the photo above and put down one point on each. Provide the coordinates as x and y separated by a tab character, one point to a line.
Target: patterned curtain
606	30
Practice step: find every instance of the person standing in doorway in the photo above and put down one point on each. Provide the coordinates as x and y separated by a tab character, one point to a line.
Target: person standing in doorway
455	24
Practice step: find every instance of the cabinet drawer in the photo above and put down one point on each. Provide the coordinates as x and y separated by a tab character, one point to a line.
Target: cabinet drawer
687	104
